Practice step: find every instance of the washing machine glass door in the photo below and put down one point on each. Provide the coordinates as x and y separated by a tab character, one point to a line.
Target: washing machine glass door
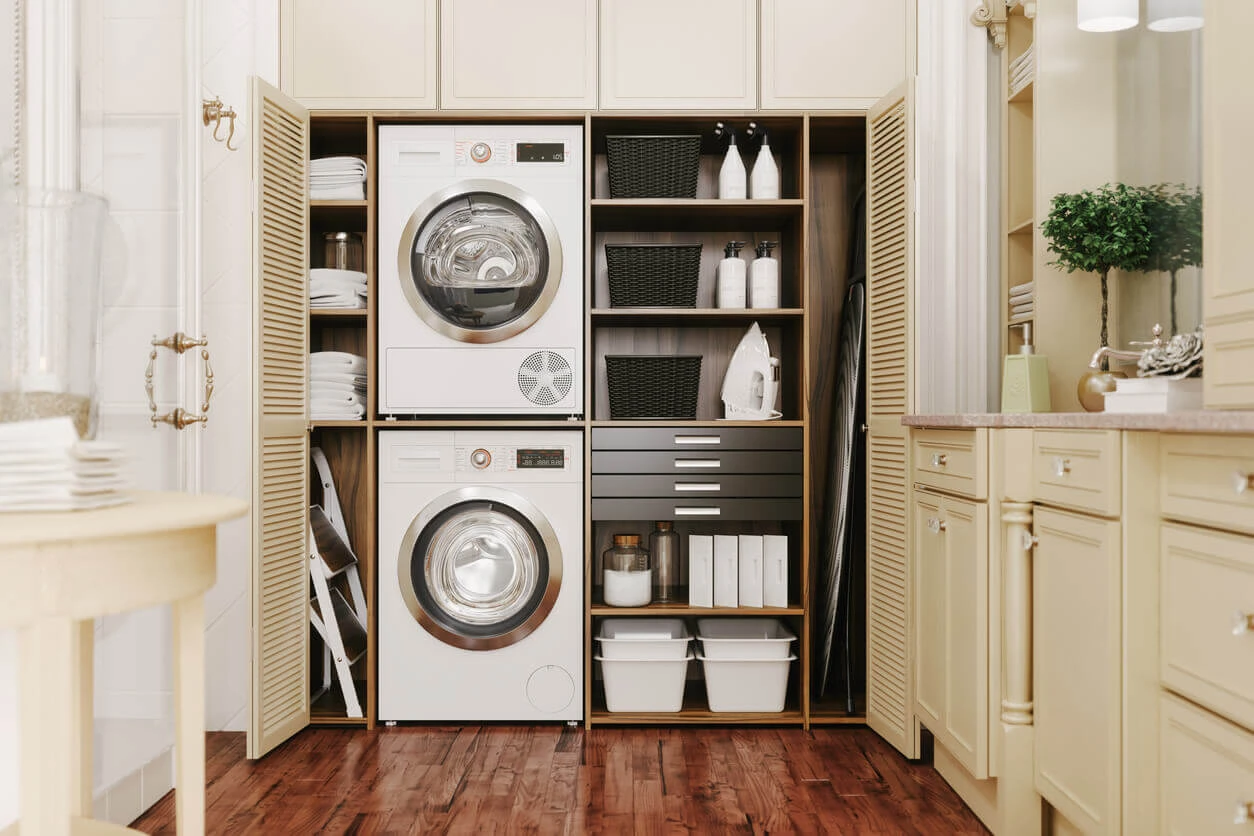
480	261
480	568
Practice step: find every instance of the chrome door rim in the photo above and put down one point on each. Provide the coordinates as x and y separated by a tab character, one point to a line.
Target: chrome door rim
439	324
458	496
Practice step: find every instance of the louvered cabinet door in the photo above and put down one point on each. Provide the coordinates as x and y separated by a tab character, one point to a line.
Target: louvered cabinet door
280	622
889	396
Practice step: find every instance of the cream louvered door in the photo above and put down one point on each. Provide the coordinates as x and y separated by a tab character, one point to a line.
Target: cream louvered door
889	396
280	622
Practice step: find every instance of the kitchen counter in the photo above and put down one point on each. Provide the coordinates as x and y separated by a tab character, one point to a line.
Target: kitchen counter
1200	421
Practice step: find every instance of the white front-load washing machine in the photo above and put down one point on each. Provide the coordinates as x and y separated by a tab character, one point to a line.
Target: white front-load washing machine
480	575
481	269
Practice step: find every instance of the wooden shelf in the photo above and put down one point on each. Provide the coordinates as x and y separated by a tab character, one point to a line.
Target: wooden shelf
678	214
695	711
436	423
338	204
318	425
835	712
329	710
671	317
1022	227
685	610
1023	94
337	313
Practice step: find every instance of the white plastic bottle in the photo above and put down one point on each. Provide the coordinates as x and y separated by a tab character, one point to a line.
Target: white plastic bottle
731	176
764	278
730	277
764	179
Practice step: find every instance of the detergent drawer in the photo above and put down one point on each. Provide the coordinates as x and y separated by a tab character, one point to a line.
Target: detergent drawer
697	438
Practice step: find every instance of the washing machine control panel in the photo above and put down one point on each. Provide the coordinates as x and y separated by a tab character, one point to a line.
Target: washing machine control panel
495	153
490	459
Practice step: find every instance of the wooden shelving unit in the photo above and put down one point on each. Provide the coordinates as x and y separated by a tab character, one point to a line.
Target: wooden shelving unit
1019	175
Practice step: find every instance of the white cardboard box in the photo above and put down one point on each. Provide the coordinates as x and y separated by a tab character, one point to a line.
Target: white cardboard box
750	559
700	570
775	570
1154	395
726	571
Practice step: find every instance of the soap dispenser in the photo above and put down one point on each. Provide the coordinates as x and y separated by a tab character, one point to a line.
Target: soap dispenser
764	179
764	277
730	277
1025	379
731	176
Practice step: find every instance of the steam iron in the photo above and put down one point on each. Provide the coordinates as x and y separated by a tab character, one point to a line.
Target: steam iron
751	385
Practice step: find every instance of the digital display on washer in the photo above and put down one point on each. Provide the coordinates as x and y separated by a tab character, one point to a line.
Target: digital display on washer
542	459
541	152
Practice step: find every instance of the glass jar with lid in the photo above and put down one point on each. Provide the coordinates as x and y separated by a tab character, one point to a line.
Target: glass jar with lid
626	578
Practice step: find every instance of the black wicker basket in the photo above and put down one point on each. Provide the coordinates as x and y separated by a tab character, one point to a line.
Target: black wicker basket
644	386
653	166
653	275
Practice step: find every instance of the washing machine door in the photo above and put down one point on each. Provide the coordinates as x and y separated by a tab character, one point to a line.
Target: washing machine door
480	568
480	261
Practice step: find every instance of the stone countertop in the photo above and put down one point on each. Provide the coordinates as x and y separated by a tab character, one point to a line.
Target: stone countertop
1200	421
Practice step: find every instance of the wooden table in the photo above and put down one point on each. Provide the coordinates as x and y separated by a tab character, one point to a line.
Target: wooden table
62	570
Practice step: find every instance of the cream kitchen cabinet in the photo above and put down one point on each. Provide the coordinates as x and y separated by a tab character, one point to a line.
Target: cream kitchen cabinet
680	54
369	54
833	54
502	54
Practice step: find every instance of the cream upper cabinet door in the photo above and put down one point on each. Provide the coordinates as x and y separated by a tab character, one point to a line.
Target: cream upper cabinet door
679	54
503	54
379	54
833	54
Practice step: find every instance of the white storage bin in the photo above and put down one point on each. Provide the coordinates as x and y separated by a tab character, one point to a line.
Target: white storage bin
746	684
644	684
744	638
644	638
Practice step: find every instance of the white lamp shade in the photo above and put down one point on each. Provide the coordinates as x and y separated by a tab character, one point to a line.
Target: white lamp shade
1174	15
1107	15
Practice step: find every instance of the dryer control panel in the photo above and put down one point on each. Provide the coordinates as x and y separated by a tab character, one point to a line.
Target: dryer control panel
508	459
496	153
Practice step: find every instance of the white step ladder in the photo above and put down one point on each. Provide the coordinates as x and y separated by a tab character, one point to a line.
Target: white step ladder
342	627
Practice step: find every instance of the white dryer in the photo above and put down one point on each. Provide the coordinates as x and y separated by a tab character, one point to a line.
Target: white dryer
481	262
480	575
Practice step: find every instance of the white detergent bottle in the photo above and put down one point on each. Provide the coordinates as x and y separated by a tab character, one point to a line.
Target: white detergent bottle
764	278
730	277
764	179
731	176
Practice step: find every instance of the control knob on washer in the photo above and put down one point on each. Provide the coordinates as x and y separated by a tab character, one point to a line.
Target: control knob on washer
480	458
480	152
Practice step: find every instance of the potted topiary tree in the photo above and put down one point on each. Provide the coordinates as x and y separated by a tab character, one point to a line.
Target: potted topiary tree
1175	220
1096	231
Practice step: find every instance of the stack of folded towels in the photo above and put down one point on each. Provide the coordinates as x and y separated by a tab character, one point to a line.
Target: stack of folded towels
1022	302
337	386
337	178
332	288
45	467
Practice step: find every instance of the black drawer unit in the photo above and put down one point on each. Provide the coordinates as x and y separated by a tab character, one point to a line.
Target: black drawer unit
693	473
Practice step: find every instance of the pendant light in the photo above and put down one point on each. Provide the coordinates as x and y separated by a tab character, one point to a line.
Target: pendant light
1174	15
1107	15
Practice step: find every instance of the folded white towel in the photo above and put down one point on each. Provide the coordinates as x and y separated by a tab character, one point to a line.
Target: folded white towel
345	163
338	399
1024	289
351	192
337	302
330	390
332	275
321	180
338	361
334	412
334	376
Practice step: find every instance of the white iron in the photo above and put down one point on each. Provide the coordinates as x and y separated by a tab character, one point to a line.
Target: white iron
751	385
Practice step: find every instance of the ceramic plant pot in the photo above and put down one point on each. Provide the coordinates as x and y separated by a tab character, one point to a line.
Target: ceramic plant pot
1093	386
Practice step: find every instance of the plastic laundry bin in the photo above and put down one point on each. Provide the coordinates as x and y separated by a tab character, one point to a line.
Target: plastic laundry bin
744	638
746	684
644	685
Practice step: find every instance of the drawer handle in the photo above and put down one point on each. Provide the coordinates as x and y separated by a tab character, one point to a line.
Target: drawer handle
1242	623
939	460
1242	482
1061	466
935	526
698	512
698	439
698	463
712	487
1245	810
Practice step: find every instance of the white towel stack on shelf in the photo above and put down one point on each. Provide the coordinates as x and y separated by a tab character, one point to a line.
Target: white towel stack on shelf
1022	70
1022	302
337	386
337	178
332	288
45	467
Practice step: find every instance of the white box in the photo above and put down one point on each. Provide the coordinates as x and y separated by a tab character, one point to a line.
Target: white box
644	684
750	559
700	570
744	638
775	570
726	571
746	684
1153	395
644	638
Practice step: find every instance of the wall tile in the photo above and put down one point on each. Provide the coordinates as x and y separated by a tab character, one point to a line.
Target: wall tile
141	163
147	271
143	65
227	660
125	349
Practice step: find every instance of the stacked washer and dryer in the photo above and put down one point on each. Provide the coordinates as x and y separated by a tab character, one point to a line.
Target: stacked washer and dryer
480	306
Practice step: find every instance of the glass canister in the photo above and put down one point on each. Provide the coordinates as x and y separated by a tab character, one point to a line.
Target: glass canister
344	251
50	246
626	578
664	552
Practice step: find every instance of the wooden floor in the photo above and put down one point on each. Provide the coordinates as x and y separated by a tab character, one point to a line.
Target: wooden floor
555	779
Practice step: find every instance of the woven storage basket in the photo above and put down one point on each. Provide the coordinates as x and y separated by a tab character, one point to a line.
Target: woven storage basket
646	386
653	275
653	166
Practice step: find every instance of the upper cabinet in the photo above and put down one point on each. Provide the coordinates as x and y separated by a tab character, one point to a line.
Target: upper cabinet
679	54
498	54
365	55
833	54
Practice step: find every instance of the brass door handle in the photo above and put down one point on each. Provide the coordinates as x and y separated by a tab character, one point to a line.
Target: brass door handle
178	417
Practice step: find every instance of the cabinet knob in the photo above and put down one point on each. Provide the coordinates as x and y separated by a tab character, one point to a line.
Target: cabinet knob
1242	623
1061	466
1245	810
1029	541
939	460
1242	482
935	525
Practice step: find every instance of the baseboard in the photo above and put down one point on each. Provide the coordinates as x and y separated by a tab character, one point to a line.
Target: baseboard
129	797
980	796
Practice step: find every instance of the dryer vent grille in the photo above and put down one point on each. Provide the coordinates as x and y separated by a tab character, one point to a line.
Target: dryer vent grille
545	378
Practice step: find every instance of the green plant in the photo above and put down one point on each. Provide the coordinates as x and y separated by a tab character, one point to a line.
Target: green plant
1100	230
1175	219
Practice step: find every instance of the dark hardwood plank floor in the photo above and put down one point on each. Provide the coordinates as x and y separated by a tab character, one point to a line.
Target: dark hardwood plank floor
555	779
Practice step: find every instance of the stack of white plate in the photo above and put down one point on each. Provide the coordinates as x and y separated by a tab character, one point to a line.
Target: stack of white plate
45	467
